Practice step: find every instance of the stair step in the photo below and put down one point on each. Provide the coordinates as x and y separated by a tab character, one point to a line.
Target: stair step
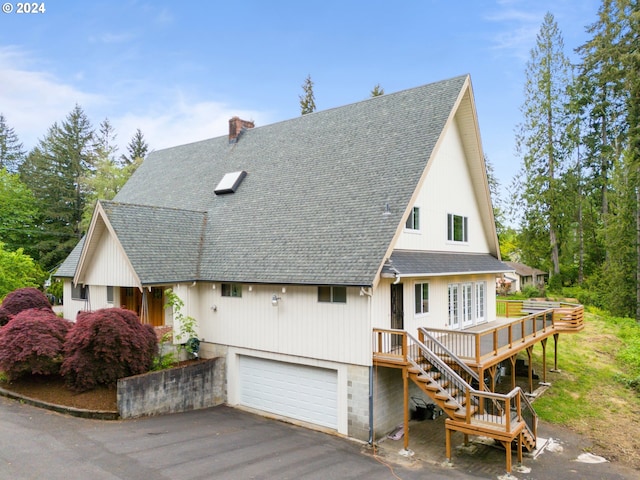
462	412
432	387
444	395
417	371
452	404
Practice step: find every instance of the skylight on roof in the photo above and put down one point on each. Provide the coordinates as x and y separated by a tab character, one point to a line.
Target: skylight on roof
230	182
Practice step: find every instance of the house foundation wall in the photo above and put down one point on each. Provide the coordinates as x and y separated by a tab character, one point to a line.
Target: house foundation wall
358	401
388	398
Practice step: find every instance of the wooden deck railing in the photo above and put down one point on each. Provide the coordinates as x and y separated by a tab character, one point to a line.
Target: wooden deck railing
483	346
477	347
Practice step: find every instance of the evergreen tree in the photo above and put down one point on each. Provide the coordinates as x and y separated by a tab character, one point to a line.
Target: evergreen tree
56	171
11	150
307	100
542	144
106	141
18	211
377	91
136	149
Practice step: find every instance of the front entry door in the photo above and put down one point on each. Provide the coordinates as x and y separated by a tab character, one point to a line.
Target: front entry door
397	311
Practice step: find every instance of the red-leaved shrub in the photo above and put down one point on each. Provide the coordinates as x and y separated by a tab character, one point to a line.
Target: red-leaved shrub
33	343
22	299
106	345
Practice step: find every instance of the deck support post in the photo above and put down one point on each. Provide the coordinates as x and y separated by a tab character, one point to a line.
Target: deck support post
405	384
447	435
492	374
555	352
530	355
543	342
520	442
507	448
512	359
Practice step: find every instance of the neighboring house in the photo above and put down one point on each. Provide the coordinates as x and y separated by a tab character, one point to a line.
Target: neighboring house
290	243
523	276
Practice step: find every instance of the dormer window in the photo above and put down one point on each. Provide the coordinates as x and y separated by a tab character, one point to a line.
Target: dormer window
457	228
413	222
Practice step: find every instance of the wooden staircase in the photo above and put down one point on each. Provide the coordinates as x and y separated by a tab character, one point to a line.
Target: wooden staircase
450	384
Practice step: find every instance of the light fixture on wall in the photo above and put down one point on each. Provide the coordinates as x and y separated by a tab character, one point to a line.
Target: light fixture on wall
275	299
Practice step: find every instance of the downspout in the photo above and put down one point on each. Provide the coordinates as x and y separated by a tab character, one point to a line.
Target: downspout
371	405
369	293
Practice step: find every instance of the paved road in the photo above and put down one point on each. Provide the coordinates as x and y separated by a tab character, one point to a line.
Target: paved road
225	443
217	443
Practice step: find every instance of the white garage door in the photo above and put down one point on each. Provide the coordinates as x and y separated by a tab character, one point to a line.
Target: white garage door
305	393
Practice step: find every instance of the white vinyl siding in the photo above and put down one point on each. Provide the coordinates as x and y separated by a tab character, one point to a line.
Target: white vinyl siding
300	325
437	197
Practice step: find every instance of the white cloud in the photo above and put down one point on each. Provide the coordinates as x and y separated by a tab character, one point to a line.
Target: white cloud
33	100
517	30
181	121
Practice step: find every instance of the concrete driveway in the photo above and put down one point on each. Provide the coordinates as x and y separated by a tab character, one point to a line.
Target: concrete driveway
225	443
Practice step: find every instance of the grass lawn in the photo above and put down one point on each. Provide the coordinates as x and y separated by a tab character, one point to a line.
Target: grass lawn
594	392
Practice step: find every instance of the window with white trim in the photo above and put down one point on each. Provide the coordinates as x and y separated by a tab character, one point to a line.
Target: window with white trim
413	222
109	294
421	293
457	228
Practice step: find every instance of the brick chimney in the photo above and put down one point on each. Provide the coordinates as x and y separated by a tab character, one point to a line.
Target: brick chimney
236	127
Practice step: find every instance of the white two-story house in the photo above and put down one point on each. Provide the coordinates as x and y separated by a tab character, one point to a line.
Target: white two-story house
289	243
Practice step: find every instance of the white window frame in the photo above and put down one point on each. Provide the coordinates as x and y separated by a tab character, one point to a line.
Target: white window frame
454	305
419	300
413	221
451	228
467	304
480	302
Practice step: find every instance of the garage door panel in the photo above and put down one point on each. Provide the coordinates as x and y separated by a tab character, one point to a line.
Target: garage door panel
296	391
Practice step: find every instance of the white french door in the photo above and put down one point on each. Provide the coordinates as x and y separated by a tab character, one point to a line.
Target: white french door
467	304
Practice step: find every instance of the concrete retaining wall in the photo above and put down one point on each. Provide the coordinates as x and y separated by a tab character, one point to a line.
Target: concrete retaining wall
190	387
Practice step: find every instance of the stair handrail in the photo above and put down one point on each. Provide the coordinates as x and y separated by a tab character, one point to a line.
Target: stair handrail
460	363
531	420
437	362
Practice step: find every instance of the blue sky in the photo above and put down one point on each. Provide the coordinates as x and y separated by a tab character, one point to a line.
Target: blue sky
180	70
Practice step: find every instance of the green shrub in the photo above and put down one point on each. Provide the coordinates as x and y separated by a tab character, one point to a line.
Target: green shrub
106	345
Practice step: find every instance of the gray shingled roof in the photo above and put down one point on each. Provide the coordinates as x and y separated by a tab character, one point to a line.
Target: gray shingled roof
162	244
68	268
419	263
310	210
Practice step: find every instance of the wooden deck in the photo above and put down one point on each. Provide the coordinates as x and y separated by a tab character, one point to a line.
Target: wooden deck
449	366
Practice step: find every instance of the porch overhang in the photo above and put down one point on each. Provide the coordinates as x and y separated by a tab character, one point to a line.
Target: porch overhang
413	263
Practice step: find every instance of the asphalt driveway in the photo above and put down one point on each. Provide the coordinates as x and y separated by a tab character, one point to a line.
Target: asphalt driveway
226	443
216	443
